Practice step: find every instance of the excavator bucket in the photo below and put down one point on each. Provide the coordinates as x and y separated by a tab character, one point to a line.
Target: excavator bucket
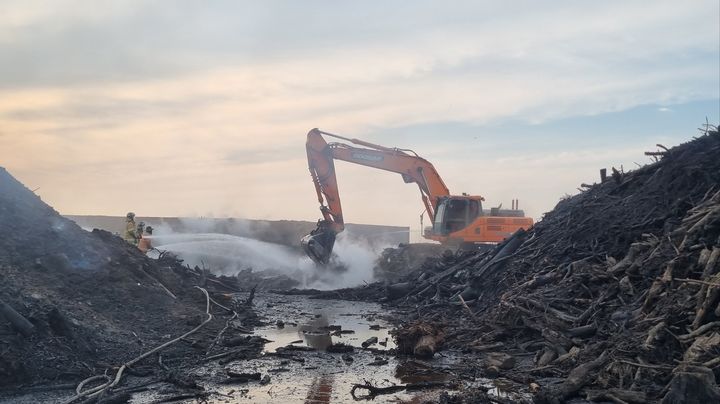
318	245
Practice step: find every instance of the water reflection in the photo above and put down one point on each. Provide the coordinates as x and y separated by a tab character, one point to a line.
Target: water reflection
318	340
325	329
320	391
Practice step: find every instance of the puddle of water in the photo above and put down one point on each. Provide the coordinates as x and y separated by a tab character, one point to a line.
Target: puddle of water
329	328
319	323
316	377
323	378
320	377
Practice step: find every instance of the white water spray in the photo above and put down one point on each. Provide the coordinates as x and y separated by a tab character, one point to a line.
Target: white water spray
228	254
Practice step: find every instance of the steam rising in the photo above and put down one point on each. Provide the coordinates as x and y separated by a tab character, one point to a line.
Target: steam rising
228	254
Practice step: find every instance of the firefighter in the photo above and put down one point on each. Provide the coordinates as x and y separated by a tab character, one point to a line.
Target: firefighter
139	231
130	234
145	243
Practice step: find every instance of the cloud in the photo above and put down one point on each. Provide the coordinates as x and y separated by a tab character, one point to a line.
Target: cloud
118	41
203	107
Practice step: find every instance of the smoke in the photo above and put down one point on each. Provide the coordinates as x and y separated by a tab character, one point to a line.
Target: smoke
355	255
229	254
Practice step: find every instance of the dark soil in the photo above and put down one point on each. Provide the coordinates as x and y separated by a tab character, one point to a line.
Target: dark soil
94	300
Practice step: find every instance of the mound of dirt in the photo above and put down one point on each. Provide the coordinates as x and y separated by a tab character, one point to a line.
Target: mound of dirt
87	299
34	234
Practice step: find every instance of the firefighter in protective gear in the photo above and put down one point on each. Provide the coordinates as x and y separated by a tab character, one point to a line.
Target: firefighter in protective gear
130	234
145	243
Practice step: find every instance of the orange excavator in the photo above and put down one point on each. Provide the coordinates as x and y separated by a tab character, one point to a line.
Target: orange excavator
457	221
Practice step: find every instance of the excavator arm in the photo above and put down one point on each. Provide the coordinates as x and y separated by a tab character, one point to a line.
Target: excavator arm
321	156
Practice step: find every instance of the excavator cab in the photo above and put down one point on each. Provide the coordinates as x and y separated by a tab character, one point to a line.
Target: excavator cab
461	220
318	245
454	214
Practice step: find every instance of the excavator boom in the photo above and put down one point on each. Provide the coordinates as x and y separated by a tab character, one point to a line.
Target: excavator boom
321	156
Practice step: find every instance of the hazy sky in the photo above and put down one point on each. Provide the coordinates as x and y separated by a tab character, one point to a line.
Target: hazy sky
201	108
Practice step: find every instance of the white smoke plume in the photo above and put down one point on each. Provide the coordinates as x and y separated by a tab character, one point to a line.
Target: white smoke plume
228	254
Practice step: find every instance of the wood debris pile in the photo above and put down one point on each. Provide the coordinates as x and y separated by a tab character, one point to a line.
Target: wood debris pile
614	295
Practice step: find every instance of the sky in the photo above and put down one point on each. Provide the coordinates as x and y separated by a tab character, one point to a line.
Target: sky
195	108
